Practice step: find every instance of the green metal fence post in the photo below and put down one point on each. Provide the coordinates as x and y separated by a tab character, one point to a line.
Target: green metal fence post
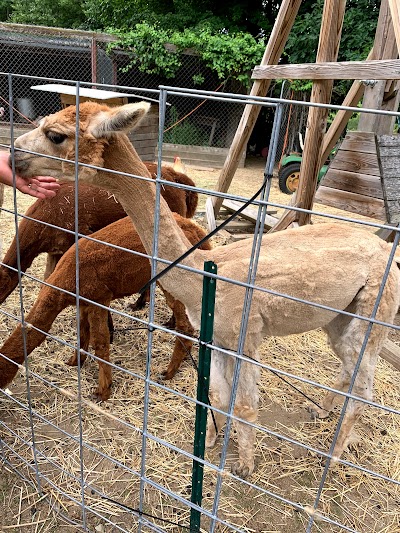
206	335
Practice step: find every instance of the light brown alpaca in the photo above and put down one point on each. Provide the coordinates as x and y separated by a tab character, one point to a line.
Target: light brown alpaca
331	264
105	274
96	208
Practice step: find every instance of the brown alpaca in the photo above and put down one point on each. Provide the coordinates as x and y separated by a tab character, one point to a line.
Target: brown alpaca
105	274
96	208
332	264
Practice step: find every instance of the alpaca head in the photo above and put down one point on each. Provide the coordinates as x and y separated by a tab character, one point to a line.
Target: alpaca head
56	136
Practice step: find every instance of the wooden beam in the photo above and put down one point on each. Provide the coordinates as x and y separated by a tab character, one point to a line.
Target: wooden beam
342	117
328	47
250	213
388	69
277	41
355	203
385	48
395	13
353	182
379	51
391	353
388	147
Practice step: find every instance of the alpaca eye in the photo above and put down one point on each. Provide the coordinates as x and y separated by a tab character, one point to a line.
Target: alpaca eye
56	138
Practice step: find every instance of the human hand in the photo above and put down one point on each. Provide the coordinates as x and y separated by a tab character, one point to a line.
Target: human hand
37	186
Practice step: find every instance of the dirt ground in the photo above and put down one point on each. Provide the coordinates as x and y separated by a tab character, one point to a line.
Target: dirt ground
362	502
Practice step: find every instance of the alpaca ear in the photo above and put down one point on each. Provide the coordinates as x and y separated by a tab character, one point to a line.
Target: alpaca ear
123	118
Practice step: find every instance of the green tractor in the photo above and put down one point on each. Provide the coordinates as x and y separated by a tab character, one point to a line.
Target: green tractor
289	173
289	169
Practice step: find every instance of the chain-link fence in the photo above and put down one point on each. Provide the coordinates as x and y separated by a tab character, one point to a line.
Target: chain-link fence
73	55
126	463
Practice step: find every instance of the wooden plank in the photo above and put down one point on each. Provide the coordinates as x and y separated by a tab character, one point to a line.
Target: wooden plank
385	48
328	47
250	213
376	69
395	12
276	43
388	147
210	216
393	211
391	353
353	182
348	201
356	162
359	141
240	225
342	117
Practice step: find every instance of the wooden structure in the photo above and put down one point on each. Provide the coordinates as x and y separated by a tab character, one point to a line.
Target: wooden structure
382	66
364	177
144	138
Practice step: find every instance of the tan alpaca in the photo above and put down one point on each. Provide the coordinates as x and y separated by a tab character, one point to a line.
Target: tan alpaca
105	274
96	207
330	264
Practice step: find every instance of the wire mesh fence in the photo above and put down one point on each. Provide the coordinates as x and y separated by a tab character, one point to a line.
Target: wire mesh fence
125	463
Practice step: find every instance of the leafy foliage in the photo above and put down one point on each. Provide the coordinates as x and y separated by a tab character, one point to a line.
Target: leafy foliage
62	13
358	34
229	55
250	16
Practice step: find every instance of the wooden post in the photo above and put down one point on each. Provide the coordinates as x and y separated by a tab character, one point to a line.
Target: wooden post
279	35
395	13
342	117
385	47
329	40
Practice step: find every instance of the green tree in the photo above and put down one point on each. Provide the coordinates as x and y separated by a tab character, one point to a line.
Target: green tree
361	17
60	13
250	16
5	9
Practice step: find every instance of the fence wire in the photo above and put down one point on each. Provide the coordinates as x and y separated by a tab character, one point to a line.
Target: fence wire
125	464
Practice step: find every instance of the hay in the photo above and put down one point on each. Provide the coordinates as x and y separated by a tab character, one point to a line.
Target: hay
112	458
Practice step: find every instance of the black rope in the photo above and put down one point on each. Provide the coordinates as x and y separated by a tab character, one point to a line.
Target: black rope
204	239
277	374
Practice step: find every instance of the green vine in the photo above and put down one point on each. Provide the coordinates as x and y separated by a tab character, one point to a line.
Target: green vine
157	51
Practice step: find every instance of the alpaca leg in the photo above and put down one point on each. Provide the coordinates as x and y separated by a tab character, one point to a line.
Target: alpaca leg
100	340
51	263
182	347
140	302
111	328
84	332
47	306
346	335
246	408
219	395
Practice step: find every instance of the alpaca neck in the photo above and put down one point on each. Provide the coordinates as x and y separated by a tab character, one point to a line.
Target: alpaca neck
138	198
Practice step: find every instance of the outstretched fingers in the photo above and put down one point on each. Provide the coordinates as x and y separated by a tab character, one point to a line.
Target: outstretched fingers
39	186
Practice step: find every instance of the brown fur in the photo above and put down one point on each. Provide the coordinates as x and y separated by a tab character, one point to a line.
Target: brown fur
333	264
96	208
105	274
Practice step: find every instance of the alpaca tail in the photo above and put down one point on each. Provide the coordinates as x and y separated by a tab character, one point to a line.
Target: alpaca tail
48	305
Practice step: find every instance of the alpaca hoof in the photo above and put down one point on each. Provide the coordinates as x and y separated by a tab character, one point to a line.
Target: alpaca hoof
73	361
210	440
242	469
167	374
317	413
170	323
101	396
